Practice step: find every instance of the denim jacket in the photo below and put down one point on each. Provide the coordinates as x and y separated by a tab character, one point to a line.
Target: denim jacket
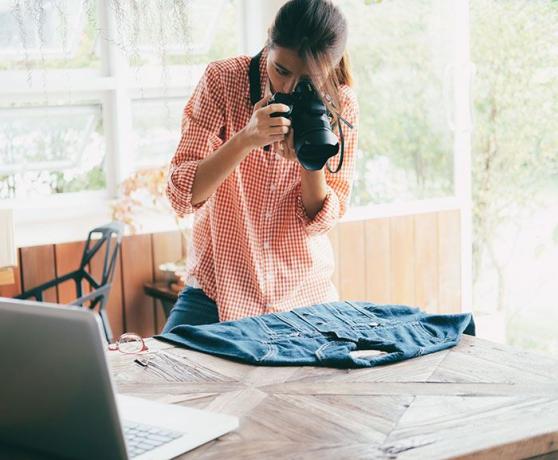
328	335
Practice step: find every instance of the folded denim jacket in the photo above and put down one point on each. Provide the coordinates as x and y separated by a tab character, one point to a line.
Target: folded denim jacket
328	334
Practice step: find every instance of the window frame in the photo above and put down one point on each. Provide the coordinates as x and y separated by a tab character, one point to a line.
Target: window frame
115	89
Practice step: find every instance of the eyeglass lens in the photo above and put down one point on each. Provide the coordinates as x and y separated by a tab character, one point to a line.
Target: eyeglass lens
130	343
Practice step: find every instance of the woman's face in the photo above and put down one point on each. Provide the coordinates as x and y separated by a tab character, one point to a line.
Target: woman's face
285	68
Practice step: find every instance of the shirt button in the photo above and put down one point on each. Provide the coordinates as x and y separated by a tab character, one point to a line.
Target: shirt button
277	156
266	245
268	215
272	187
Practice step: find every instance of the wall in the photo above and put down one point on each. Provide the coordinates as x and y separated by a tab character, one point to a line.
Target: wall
413	260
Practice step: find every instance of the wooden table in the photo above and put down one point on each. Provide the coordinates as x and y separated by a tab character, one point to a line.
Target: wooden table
477	400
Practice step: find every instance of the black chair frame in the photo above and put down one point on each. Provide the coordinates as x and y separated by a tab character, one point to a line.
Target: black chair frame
111	237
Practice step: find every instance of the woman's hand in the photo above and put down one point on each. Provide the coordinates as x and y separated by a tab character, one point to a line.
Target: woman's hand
286	148
262	129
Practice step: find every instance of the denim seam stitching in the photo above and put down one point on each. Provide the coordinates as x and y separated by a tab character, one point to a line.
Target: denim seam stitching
307	322
265	327
361	310
339	315
271	351
319	351
292	325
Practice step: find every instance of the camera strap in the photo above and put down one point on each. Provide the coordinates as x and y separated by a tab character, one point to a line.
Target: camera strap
255	82
341	152
254	76
340	121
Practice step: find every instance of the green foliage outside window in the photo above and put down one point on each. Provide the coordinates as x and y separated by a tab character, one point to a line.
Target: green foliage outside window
399	52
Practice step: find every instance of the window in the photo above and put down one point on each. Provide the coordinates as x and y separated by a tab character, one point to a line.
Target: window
188	32
91	91
49	149
156	124
48	35
401	55
514	45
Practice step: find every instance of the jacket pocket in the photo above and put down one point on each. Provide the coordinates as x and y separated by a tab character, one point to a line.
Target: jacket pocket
431	335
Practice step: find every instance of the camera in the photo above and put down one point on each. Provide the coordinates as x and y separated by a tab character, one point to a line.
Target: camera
314	140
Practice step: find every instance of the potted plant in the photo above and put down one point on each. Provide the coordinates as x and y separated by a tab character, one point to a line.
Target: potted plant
144	191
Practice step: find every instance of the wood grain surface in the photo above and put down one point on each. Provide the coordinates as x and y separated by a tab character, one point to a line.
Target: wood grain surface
476	400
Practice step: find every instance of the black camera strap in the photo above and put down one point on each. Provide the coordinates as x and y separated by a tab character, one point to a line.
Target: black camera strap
340	120
341	151
255	80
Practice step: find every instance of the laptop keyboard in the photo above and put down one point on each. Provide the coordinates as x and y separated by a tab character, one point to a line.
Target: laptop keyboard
142	438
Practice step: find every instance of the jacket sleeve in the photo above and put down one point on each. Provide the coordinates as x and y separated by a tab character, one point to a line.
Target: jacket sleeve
339	185
202	125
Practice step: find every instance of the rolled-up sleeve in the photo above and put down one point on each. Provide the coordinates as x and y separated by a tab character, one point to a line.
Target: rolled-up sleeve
202	125
339	185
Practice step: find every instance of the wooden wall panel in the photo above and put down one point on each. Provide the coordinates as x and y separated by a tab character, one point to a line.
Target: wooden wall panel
167	247
11	290
68	257
413	260
7	276
38	266
426	262
115	305
377	241
352	262
449	262
137	269
402	254
334	239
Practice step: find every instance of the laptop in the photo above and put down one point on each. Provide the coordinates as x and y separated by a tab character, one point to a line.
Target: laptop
57	396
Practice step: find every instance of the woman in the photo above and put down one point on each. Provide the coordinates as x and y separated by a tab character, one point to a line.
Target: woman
260	240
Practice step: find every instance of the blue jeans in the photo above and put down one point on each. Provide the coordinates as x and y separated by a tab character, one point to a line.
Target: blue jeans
327	335
192	307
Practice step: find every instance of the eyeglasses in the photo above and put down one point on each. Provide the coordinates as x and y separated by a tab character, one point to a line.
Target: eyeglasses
132	344
129	343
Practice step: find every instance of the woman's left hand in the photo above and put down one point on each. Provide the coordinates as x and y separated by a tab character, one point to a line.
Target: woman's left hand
286	148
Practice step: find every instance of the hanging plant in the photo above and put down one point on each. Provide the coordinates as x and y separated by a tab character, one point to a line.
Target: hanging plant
144	30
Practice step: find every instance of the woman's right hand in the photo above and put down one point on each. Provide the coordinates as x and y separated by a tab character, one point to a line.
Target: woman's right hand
262	129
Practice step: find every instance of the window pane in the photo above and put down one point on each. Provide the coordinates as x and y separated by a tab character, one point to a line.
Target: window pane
48	150
514	45
166	31
400	53
156	125
48	34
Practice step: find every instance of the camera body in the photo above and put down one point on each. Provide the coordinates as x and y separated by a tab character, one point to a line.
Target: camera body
314	140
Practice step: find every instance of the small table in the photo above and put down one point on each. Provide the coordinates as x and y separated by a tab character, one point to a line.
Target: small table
164	293
476	400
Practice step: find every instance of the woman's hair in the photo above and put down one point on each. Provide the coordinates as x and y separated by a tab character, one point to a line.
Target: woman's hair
317	30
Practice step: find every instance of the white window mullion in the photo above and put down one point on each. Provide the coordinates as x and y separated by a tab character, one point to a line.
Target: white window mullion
116	104
256	19
462	144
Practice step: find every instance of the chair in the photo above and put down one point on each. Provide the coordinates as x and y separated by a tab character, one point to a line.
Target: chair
100	289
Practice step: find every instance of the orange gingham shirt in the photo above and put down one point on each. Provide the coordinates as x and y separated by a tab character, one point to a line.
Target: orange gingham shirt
254	250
